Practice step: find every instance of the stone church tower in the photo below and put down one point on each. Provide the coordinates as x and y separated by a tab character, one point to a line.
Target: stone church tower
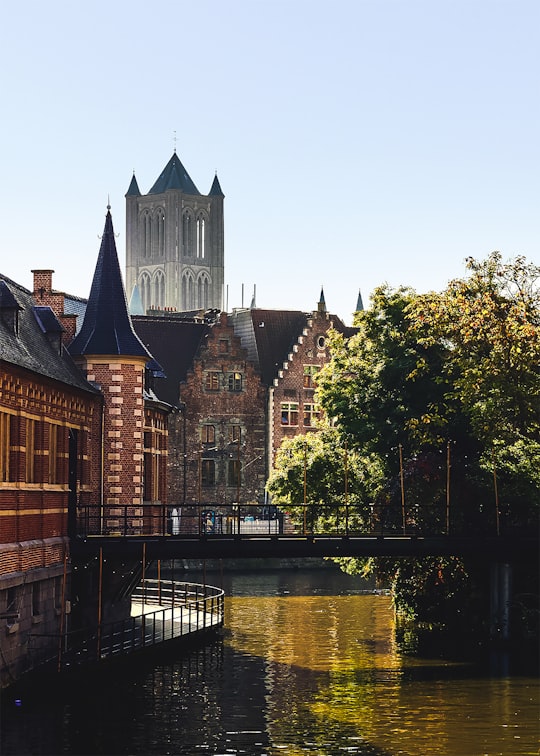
174	242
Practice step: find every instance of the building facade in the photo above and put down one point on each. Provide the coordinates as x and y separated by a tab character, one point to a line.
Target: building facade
175	242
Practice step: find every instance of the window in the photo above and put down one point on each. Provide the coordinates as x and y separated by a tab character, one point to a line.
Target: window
187	234
212	381
4	445
235	382
36	599
30	450
310	414
208	472
310	375
233	477
200	237
321	342
208	434
223	346
11	606
53	454
234	434
289	413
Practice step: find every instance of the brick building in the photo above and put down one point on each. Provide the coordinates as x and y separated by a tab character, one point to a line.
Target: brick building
78	432
47	451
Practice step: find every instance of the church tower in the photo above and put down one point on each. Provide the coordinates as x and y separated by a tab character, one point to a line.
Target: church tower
174	242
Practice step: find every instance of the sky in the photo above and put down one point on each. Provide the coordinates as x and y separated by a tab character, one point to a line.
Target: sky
358	142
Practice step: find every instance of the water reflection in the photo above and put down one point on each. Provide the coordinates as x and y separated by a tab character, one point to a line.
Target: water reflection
308	665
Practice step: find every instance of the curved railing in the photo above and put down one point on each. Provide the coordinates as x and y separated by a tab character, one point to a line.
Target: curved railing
161	611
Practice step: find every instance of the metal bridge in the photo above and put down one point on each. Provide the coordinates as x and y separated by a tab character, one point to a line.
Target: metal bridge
234	532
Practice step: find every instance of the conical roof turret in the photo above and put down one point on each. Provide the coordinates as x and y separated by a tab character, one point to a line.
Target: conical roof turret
215	189
107	328
133	188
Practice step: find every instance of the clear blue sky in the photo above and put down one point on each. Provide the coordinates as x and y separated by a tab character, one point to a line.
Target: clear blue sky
357	142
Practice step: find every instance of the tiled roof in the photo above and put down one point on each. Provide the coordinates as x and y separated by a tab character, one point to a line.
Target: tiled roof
107	325
174	176
174	343
27	345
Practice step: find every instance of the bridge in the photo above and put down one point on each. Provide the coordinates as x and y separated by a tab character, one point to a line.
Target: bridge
233	532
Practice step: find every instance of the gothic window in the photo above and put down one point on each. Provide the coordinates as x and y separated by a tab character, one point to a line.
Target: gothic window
289	413
208	434
146	234
203	282
201	229
208	472
310	375
235	382
212	381
187	233
188	291
160	232
159	289
145	290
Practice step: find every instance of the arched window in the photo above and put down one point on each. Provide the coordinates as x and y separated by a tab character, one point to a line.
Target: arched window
160	232
159	289
188	291
201	242
187	233
146	291
203	284
146	234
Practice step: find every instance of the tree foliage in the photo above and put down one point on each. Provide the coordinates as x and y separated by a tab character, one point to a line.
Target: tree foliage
437	395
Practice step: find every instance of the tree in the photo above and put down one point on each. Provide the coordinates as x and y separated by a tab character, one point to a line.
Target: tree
440	393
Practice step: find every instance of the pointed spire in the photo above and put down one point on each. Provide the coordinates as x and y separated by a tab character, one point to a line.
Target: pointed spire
359	303
321	307
107	327
174	176
133	188
215	190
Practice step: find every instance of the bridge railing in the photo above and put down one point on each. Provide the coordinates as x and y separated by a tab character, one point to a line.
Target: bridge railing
206	520
160	611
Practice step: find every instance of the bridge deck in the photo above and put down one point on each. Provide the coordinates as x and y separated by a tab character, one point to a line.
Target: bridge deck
251	546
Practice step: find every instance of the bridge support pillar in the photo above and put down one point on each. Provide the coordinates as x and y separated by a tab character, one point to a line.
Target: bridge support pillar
500	595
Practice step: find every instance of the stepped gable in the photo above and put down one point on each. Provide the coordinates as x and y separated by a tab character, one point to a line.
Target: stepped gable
275	332
107	327
174	343
24	339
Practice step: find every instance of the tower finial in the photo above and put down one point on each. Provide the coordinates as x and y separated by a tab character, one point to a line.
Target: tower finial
174	140
108	201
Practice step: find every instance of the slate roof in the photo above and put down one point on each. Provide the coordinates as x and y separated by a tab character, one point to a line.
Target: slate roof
133	188
28	346
174	343
174	176
215	189
107	327
269	336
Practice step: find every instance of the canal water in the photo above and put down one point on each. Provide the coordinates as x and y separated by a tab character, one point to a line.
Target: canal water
308	664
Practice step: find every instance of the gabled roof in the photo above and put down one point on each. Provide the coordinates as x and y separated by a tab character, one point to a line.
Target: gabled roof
107	327
174	343
174	176
28	346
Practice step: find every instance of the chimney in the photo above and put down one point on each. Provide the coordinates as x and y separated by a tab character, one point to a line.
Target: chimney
43	293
